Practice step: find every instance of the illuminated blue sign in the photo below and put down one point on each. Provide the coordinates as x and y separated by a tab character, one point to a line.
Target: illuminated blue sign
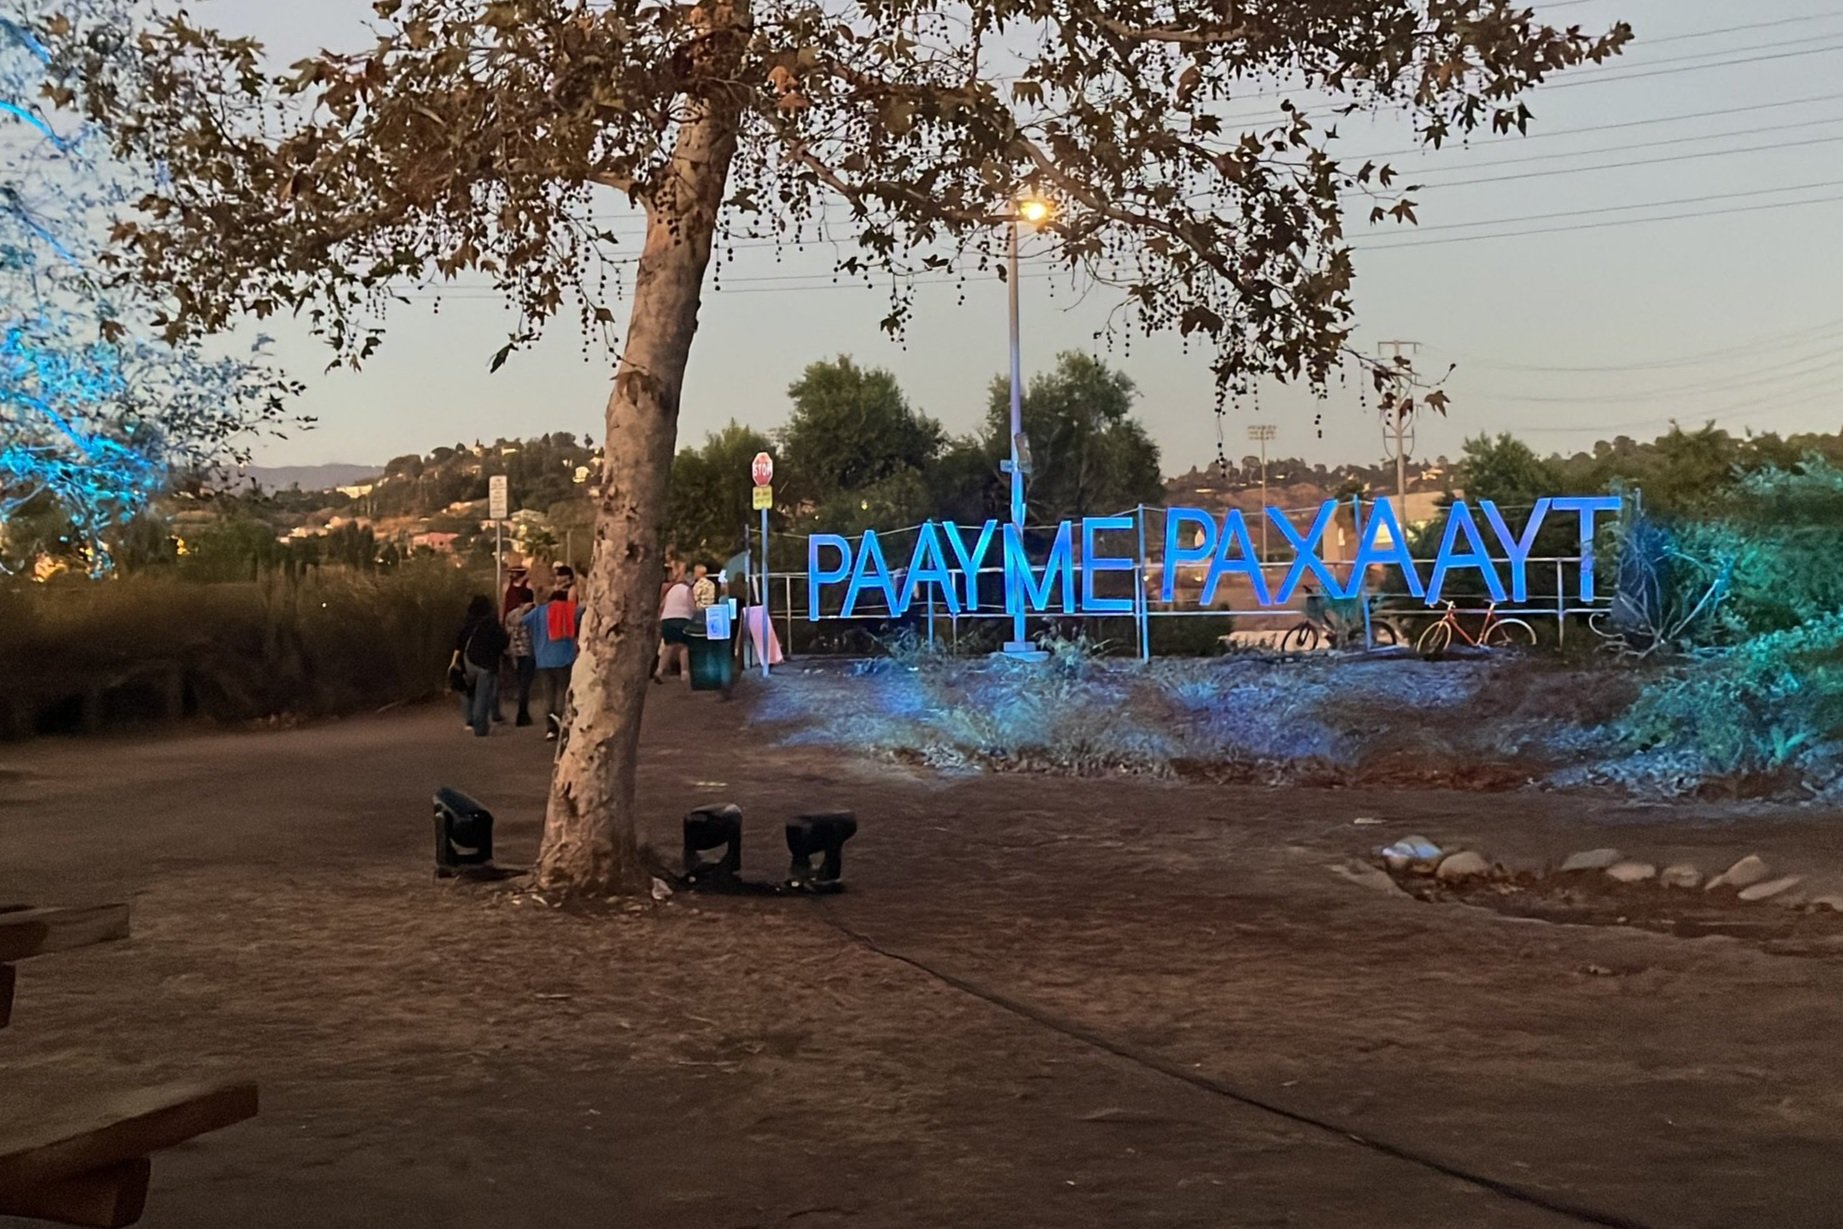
947	559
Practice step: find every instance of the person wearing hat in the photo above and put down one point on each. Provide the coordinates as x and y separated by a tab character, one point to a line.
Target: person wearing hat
514	601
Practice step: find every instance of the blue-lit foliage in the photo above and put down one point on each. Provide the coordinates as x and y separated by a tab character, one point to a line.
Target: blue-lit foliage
96	411
1765	693
1081	713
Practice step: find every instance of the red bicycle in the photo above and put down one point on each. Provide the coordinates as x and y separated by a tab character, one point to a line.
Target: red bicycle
1493	633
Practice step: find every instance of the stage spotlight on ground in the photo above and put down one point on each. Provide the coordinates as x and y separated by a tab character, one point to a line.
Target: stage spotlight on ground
463	834
822	832
709	827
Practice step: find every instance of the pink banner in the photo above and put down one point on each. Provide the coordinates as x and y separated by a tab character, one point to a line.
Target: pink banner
752	619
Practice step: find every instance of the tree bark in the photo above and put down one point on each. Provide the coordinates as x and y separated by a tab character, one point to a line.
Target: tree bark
590	843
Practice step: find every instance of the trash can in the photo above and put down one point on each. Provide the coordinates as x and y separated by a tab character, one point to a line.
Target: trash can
713	666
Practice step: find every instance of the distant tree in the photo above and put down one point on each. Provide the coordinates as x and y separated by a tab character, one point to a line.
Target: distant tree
850	430
1507	471
964	484
490	138
710	502
352	546
1089	456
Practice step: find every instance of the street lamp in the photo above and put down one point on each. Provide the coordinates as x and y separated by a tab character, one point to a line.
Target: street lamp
1035	211
1261	433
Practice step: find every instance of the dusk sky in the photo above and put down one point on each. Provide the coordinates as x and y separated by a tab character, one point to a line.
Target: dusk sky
1615	322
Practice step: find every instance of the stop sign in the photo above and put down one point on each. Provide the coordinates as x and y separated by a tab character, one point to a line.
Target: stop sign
762	469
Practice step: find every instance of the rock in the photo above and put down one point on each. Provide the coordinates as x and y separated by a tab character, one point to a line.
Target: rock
661	890
1591	860
1743	874
1464	864
1631	872
1365	875
1833	902
1771	887
1682	875
1409	851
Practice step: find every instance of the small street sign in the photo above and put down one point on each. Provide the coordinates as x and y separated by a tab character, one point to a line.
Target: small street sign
762	470
764	498
496	496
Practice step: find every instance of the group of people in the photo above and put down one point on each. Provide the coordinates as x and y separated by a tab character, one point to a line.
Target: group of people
683	598
536	639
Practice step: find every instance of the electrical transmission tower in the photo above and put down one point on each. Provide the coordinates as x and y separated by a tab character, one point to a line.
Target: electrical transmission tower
1397	424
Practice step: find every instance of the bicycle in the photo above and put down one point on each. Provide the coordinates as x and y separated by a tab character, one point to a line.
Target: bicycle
1493	633
1322	626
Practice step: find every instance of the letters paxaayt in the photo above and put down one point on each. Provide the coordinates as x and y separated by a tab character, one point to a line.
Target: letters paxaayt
947	558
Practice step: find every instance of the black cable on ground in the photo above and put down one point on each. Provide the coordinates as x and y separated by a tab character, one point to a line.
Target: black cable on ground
1164	1066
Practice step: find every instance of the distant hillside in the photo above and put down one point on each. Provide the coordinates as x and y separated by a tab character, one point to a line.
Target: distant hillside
307	477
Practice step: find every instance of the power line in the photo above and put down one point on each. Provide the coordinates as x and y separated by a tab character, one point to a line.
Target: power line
1610	74
1636	162
1619	149
1547	134
1797	370
1740	409
1614	79
1772	341
1592	72
1562	230
1751	25
1599	209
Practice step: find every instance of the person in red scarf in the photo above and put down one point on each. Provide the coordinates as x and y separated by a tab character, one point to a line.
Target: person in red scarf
554	626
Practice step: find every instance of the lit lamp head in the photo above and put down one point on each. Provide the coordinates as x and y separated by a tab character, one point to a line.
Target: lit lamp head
1034	210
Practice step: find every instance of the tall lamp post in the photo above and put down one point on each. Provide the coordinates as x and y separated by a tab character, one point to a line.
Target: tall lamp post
1035	211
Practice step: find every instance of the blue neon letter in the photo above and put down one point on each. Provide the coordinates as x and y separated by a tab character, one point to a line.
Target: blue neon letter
1021	579
971	561
928	566
1235	534
1370	553
818	577
870	552
1587	506
1458	520
1092	562
1305	556
1516	548
1177	555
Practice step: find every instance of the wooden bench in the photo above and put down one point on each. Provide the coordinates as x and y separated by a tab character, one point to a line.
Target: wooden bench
85	1161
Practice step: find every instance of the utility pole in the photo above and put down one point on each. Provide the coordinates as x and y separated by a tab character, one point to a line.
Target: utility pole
1261	432
1396	432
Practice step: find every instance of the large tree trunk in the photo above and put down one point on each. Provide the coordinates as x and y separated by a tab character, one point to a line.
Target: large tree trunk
589	832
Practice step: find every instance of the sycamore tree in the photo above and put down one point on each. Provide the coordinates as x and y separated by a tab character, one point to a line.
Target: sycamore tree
96	409
492	139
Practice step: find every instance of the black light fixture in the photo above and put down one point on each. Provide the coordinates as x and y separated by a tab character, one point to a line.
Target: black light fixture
707	827
463	834
819	832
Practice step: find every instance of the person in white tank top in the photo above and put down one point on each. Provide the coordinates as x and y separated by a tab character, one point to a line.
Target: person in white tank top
676	610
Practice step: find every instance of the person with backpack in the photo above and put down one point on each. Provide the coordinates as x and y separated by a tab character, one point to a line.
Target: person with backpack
477	651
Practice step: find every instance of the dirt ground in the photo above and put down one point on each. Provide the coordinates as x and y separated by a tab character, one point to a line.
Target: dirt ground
1043	1002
